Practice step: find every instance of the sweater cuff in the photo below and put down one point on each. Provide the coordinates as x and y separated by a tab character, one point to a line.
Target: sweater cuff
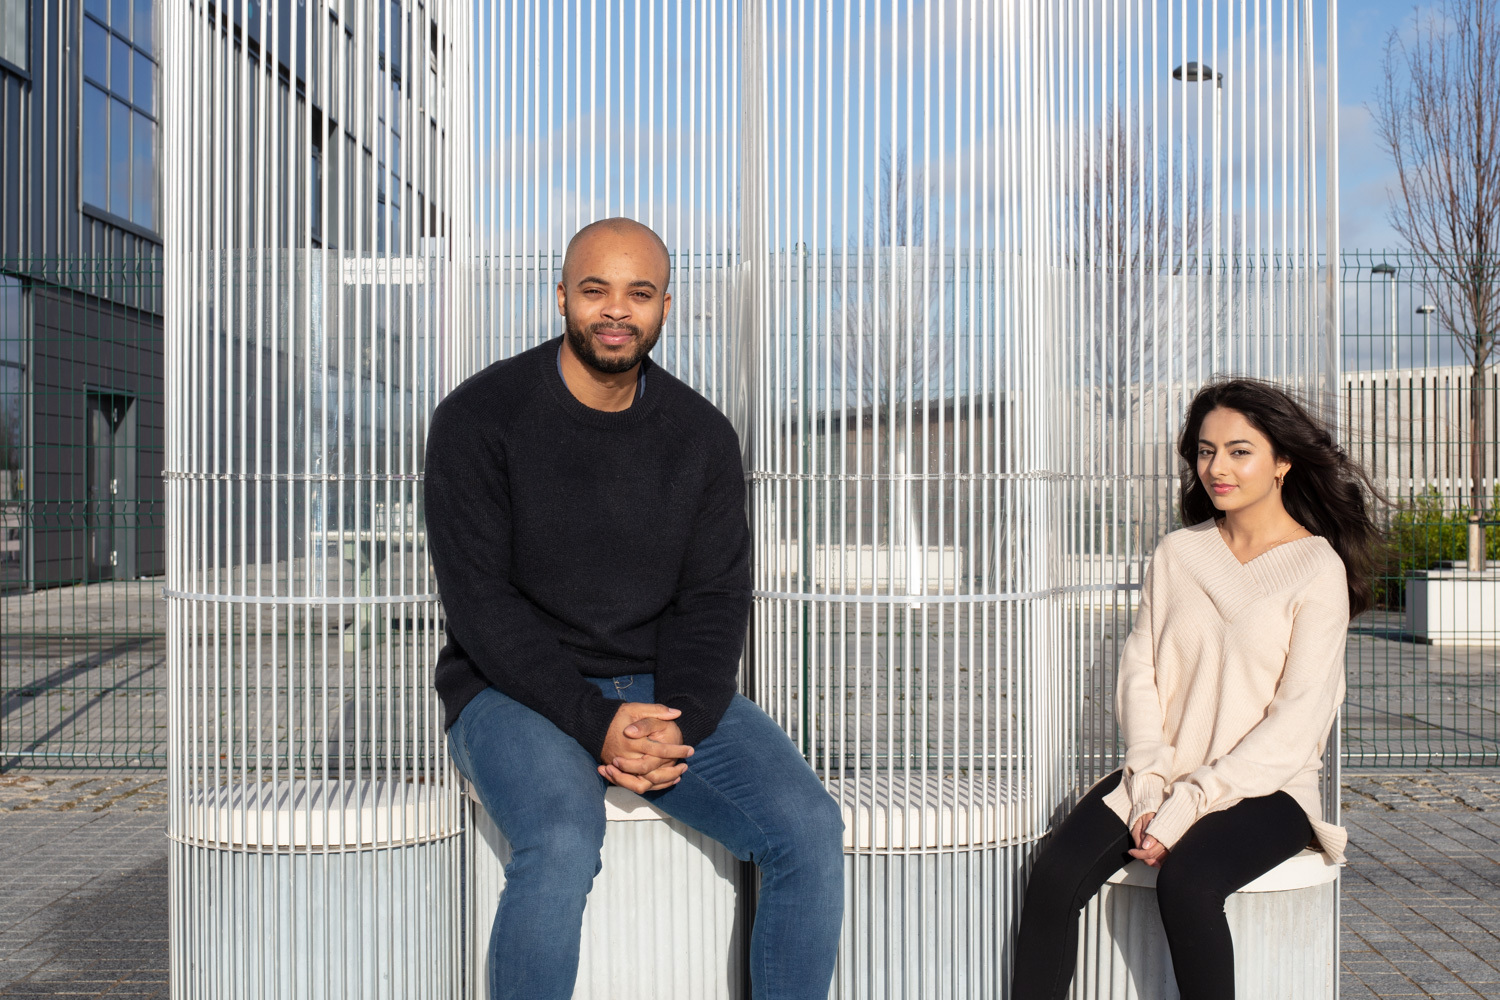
1176	815
1146	792
594	727
694	723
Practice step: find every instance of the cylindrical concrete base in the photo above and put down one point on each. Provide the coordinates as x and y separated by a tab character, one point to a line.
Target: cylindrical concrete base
927	925
931	880
655	870
316	926
1285	938
307	892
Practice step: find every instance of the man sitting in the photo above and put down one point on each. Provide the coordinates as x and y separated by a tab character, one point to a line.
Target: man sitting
586	518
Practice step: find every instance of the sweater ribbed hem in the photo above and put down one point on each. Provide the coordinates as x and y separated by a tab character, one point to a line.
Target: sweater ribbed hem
1146	792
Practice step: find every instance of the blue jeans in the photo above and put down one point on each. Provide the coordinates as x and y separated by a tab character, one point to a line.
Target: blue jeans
746	786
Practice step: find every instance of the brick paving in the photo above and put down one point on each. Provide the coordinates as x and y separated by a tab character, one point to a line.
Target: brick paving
1421	894
83	885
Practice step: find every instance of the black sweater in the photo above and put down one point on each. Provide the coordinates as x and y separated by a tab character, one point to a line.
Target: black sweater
572	542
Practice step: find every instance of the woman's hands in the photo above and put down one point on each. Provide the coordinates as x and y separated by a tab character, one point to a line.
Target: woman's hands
1147	848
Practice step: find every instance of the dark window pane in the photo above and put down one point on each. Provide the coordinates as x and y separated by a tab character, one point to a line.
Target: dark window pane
316	194
95	142
95	52
252	17
119	68
143	170
395	37
99	8
119	158
145	25
121	19
13	34
145	83
11	346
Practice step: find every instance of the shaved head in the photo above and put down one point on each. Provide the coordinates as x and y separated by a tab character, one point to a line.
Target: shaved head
613	294
628	233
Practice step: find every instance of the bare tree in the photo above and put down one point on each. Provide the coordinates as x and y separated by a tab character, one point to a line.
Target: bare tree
1439	116
898	204
1134	228
885	301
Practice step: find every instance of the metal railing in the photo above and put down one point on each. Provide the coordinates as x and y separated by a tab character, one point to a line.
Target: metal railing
1423	684
82	522
81	631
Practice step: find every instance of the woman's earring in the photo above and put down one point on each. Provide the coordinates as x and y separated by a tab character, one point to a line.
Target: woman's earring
1280	479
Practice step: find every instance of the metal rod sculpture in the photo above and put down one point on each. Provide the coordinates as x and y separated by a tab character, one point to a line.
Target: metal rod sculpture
953	269
311	208
904	377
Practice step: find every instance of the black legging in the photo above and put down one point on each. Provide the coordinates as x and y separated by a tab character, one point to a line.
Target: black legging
1218	854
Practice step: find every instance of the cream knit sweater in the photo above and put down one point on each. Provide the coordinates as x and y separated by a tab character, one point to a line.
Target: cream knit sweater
1230	681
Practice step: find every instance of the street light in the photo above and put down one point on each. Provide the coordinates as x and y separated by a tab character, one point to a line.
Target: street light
1389	270
1424	310
1196	72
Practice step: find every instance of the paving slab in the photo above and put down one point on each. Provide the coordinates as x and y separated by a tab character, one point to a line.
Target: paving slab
1421	894
83	885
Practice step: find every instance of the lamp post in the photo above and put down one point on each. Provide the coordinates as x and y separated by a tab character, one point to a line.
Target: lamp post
1424	310
1389	270
1196	72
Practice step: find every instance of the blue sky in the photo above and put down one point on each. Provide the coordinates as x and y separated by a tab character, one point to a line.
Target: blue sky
699	185
1365	172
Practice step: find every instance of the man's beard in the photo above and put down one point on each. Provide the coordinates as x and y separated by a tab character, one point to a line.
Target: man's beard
582	342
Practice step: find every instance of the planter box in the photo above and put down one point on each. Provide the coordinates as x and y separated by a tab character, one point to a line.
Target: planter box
1454	607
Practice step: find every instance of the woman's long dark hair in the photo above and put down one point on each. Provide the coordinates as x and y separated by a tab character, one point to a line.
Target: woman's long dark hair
1325	491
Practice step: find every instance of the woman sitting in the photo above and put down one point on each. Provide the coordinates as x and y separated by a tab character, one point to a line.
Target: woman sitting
1229	683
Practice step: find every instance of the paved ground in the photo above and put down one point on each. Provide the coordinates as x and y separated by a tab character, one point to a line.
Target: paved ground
1421	895
83	885
83	680
1409	701
83	676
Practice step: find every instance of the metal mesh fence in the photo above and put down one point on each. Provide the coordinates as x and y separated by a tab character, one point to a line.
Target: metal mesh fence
82	649
82	523
1421	407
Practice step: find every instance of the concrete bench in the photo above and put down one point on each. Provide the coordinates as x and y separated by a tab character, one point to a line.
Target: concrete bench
931	865
1285	940
316	890
697	951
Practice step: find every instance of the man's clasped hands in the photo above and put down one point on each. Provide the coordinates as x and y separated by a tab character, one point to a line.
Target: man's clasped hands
643	750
